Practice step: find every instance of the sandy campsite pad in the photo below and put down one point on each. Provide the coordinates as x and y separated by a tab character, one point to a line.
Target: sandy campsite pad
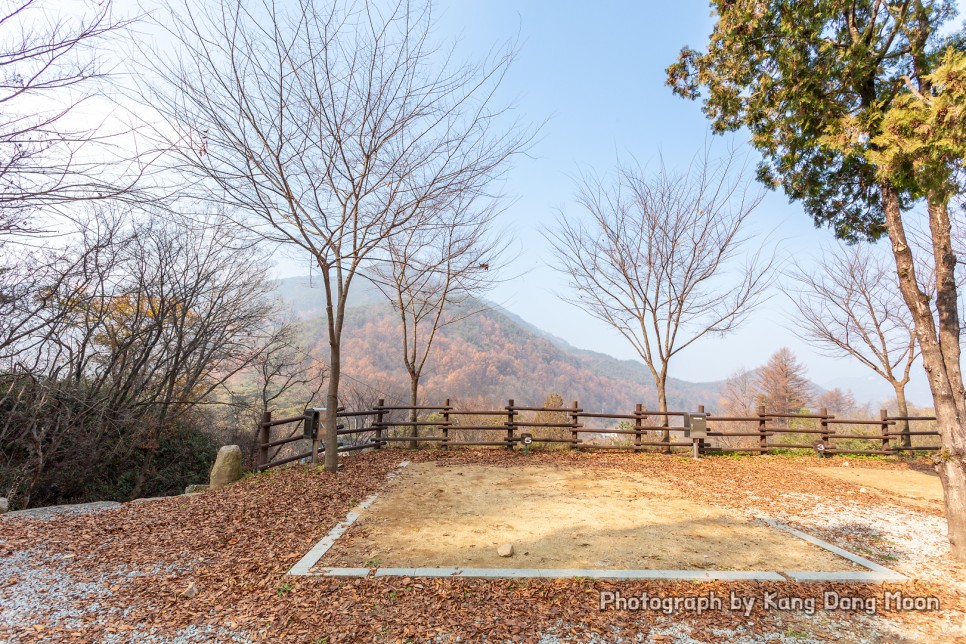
912	484
457	516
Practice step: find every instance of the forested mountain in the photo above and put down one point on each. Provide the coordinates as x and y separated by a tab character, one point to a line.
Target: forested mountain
488	357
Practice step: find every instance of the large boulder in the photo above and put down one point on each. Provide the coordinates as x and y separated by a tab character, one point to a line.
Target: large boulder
4	505
227	468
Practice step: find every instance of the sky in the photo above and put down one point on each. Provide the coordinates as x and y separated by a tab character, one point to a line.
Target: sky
596	77
593	75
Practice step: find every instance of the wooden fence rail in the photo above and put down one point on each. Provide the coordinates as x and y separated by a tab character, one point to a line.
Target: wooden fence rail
516	427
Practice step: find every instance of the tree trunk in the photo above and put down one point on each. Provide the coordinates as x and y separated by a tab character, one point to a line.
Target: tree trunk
413	397
952	473
662	406
142	475
940	352
903	406
154	436
332	408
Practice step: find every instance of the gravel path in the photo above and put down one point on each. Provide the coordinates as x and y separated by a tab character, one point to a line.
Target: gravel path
54	511
37	592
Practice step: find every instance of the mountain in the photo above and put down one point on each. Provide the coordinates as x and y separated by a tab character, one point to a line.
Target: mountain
484	359
489	357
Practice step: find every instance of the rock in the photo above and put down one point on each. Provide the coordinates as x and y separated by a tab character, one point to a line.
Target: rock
845	464
227	468
190	591
862	489
194	488
506	550
4	505
145	499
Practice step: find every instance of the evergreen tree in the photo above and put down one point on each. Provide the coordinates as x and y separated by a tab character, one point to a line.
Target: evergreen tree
857	109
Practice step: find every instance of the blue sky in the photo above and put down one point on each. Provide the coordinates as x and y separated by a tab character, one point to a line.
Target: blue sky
596	73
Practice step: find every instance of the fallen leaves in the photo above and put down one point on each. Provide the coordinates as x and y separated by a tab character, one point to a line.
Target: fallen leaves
237	543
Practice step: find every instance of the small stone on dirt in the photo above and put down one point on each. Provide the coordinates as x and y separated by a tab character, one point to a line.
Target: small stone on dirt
506	550
190	591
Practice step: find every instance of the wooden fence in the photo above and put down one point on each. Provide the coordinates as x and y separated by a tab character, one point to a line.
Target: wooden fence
447	427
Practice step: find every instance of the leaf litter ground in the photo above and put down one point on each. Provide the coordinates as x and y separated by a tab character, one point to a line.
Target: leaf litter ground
125	574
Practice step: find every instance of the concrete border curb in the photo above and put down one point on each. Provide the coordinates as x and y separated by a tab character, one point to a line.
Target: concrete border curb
312	557
876	572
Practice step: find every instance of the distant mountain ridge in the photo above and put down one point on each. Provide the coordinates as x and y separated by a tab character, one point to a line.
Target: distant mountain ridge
489	357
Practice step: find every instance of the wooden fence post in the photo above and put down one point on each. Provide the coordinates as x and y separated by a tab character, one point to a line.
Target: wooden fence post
378	424
701	444
575	420
762	436
509	425
638	424
823	426
884	417
446	409
264	436
316	419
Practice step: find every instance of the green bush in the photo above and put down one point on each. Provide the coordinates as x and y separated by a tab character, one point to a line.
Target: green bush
184	456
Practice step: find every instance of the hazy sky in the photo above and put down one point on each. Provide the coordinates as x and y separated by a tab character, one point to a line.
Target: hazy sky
597	76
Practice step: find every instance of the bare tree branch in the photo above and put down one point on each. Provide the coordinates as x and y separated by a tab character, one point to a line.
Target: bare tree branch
51	62
851	306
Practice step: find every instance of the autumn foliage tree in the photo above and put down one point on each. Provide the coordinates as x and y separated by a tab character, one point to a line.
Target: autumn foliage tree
781	384
552	402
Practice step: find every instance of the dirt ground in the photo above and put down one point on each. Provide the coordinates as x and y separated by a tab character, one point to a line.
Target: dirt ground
457	516
914	486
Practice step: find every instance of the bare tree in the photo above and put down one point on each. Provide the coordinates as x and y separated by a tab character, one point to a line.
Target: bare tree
850	306
286	377
330	130
50	63
284	367
433	276
736	398
36	282
837	402
137	336
737	394
662	258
